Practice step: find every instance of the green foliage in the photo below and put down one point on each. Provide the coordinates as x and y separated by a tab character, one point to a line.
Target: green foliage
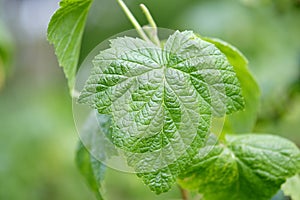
247	167
160	99
65	32
92	169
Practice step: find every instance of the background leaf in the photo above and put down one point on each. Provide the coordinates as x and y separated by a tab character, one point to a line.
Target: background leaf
92	169
248	167
65	32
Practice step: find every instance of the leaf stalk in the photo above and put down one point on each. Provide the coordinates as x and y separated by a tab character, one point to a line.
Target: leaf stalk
145	33
133	20
152	24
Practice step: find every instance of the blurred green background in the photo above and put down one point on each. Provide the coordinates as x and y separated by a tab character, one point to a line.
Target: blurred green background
37	133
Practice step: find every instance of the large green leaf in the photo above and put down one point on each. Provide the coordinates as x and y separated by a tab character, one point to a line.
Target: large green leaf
65	32
242	121
161	100
92	169
152	92
248	167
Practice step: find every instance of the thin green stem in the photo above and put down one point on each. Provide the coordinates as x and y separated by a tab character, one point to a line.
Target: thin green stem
152	24
148	16
133	20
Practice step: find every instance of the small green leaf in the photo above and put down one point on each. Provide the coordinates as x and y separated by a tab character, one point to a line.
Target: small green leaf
92	169
291	187
248	167
65	32
162	100
241	121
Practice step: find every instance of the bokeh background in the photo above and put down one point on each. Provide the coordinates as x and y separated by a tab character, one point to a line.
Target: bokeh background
37	133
